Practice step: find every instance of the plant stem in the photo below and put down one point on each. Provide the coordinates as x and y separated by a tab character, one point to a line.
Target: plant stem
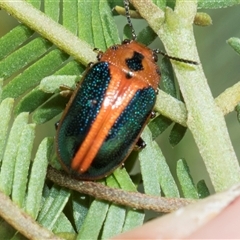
22	222
171	107
229	99
176	110
205	120
132	199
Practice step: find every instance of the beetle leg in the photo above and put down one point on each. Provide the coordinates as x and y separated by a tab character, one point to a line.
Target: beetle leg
99	53
66	91
153	114
56	125
140	144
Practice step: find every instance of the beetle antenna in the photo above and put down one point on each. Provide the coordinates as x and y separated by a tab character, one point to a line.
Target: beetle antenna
126	6
157	51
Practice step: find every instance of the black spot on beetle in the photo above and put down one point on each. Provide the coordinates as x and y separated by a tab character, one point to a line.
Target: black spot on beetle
135	63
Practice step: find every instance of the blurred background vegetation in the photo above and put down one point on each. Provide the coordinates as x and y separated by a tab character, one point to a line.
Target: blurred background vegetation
221	67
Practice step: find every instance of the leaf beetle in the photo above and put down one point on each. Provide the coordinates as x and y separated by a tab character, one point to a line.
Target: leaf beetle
108	110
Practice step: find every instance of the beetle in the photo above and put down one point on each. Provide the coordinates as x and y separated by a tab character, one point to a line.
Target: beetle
107	112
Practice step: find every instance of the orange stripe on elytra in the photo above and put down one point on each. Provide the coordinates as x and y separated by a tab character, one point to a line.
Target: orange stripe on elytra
118	95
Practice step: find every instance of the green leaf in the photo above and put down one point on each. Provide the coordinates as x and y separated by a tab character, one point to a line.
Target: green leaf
155	170
71	68
1	86
23	57
116	215
146	36
6	108
33	75
171	3
237	108
18	236
55	209
35	3
167	77
63	225
124	180
51	84
166	179
80	205
37	177
9	158
213	4
134	218
31	101
94	220
127	32
70	15
131	161
22	164
49	109
54	162
85	31
6	230
97	27
114	221
177	133
148	165
49	196
119	219
160	3
158	125
185	180
51	8
234	43
202	189
115	3
110	30
13	39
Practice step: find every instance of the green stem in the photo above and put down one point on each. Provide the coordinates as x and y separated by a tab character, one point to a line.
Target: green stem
118	196
205	119
176	110
49	29
21	221
171	108
229	99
